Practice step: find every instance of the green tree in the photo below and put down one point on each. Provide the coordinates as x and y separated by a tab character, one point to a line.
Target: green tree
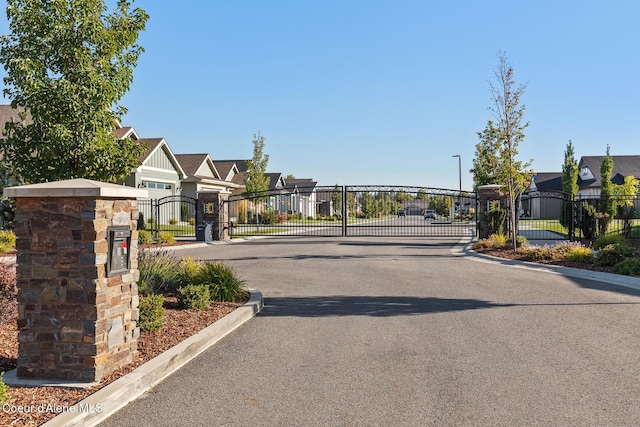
68	64
606	187
512	174
569	184
257	184
487	157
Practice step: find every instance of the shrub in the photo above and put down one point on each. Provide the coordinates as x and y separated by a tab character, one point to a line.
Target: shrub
4	390
8	292
580	254
7	212
192	221
194	296
173	221
145	237
496	220
141	223
521	241
151	313
184	211
608	239
610	255
540	253
151	222
223	283
7	240
628	267
499	240
158	271
166	237
588	221
188	271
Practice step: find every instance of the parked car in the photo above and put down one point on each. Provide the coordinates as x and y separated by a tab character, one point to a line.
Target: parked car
402	212
429	214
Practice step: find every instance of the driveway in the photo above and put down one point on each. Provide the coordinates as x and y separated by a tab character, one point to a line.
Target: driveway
371	331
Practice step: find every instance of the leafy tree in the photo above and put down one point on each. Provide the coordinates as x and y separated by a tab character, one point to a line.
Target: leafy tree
569	183
422	195
68	64
441	204
487	157
255	180
512	174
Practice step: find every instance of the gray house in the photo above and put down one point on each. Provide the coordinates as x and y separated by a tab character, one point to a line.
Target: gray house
202	175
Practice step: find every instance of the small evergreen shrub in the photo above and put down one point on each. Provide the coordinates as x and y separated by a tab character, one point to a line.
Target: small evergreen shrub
145	237
521	242
608	239
194	297
192	221
158	271
588	222
173	221
610	255
628	267
7	240
4	391
141	223
166	237
151	312
496	221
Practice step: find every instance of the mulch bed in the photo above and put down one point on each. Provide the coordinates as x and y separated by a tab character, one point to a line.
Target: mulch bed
178	326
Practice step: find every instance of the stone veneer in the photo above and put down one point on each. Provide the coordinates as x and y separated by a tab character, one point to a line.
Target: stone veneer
74	322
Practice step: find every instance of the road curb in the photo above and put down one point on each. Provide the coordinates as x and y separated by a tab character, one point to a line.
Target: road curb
598	276
113	397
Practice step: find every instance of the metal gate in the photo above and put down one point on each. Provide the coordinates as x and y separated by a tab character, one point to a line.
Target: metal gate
172	214
354	211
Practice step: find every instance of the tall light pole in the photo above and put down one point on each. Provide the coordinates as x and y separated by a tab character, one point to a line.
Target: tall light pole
459	186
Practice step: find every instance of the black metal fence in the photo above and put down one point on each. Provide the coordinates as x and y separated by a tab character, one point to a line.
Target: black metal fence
558	216
354	211
173	214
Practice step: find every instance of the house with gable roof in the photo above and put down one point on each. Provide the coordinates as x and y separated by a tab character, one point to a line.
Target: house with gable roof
202	175
302	196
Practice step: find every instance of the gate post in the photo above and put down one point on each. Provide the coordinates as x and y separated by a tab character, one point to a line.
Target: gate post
77	272
210	209
345	211
486	194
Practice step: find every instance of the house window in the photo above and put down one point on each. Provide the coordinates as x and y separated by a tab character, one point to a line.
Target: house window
156	185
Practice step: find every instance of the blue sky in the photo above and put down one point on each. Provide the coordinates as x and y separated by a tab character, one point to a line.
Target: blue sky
384	92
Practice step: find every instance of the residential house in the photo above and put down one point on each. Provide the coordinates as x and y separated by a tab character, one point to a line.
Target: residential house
202	175
233	171
301	196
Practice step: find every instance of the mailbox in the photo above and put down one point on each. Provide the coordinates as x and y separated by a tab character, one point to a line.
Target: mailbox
119	241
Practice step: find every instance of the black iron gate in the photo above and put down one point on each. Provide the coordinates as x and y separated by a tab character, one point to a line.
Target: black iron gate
354	211
175	215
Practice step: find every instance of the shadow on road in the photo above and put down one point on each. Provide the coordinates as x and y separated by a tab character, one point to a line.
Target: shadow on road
386	306
375	306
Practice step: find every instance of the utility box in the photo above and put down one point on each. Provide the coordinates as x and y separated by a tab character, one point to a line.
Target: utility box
119	255
204	232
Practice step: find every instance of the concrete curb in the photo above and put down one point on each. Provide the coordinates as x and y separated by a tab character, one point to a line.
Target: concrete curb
598	276
113	397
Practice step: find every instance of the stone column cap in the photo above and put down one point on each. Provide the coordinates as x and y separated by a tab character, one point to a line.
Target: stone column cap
78	187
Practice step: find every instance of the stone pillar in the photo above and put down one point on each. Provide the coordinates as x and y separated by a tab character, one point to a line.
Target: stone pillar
486	195
211	208
77	314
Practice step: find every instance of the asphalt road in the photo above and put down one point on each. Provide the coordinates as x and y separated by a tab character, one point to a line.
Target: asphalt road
380	332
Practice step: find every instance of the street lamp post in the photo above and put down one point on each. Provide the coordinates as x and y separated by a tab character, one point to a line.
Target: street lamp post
459	185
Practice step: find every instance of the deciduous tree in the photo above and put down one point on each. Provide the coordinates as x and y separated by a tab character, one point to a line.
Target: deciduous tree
68	64
255	180
514	175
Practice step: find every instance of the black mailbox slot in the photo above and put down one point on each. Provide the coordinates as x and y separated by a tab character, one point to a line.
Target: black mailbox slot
119	241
